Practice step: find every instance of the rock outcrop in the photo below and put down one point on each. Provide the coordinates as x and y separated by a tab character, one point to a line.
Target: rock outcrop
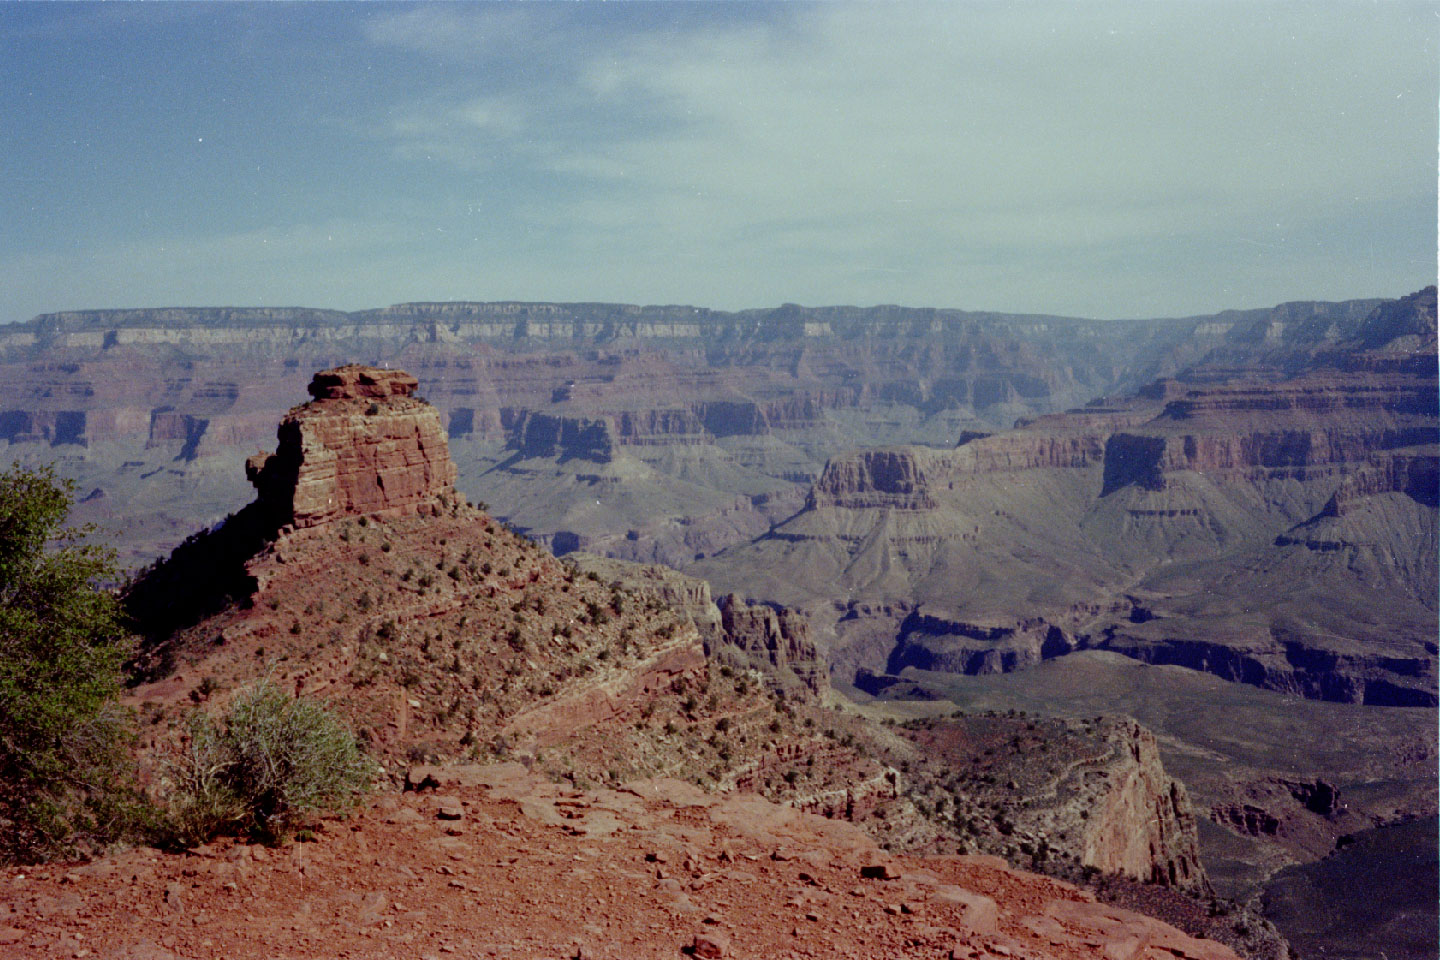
774	641
1141	823
874	479
778	638
364	445
1067	794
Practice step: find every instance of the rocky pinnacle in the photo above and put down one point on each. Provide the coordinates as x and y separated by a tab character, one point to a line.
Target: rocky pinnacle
364	445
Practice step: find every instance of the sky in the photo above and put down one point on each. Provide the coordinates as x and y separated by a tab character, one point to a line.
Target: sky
1088	159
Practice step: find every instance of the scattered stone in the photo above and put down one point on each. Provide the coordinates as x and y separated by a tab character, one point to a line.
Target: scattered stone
879	871
449	808
978	912
175	897
710	945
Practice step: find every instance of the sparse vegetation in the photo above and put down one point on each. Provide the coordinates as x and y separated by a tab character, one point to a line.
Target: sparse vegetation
265	767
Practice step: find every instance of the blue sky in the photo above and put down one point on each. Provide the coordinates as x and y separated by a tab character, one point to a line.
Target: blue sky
1099	159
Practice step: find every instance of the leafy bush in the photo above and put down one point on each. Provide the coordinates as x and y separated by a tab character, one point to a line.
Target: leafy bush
65	774
264	768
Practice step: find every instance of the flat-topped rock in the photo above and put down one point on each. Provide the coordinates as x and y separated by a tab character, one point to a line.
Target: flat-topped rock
357	381
365	445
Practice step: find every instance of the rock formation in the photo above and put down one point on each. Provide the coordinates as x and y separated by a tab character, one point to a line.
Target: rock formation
776	641
364	445
778	638
757	400
443	636
1296	500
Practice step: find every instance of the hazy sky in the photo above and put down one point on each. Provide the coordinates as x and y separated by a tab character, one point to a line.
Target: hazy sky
1099	159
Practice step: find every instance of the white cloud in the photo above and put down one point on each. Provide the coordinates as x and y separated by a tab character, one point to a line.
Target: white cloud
452	30
1099	158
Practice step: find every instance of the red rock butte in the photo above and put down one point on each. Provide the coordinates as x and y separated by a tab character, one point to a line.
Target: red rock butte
364	446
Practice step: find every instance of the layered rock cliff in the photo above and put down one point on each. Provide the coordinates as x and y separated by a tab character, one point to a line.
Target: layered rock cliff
364	445
1246	527
708	404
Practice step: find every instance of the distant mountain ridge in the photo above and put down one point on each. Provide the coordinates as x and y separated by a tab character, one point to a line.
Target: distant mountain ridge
716	421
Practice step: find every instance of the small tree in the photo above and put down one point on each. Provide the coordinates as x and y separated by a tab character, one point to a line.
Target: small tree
269	763
64	769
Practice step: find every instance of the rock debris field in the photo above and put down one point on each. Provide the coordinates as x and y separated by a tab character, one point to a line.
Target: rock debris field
495	861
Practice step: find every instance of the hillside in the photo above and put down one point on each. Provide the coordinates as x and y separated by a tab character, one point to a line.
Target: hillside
360	577
507	864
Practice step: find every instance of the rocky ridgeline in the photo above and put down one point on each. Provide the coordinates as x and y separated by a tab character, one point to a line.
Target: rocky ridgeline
206	378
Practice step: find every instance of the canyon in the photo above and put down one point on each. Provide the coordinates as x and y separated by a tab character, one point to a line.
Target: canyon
891	505
593	706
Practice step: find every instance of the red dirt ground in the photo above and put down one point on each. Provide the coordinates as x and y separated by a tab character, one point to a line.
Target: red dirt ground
536	870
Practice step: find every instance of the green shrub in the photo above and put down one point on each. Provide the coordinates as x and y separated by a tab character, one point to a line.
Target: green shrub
269	764
65	775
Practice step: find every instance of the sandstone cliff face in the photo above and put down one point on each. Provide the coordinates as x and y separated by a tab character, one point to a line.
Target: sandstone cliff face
364	445
1141	822
779	638
1414	472
546	435
1068	794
